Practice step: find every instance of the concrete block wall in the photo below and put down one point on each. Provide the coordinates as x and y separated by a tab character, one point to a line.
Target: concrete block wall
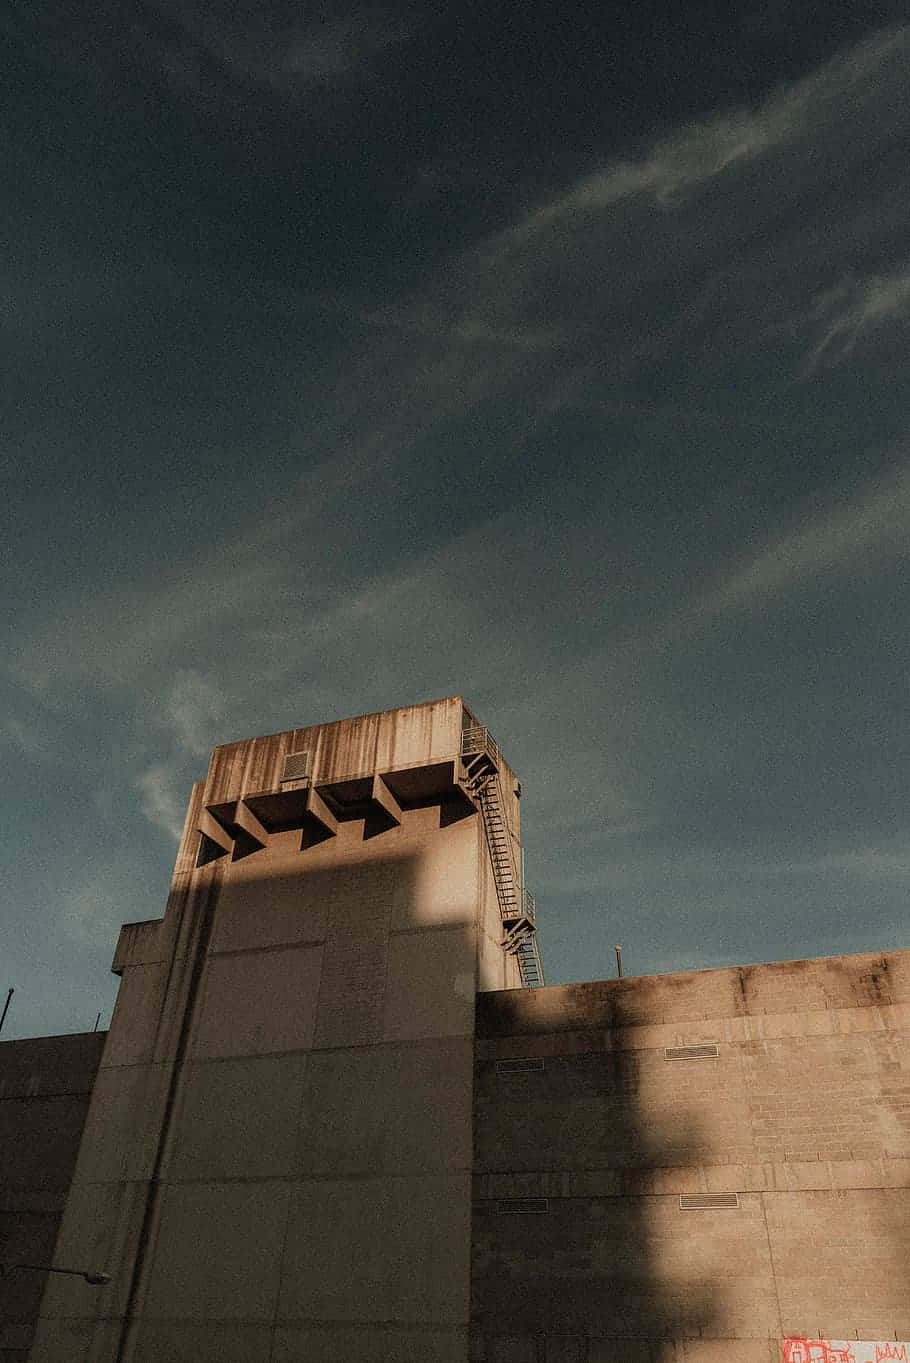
804	1114
280	1155
45	1087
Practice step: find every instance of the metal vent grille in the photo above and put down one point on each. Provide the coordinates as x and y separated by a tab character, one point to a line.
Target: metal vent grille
706	1052
705	1202
296	766
518	1066
507	1205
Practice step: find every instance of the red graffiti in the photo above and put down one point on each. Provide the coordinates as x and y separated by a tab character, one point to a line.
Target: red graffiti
799	1350
817	1351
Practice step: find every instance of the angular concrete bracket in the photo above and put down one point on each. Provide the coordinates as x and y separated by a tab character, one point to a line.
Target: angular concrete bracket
385	810
279	810
318	822
247	822
458	803
215	841
239	821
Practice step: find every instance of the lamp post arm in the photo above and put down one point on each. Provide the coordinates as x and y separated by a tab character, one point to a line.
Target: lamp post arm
96	1279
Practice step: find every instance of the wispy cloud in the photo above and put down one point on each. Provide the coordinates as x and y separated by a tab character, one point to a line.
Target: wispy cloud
221	57
344	46
624	261
855	535
628	867
702	151
163	800
195	710
872	524
679	225
871	863
858	306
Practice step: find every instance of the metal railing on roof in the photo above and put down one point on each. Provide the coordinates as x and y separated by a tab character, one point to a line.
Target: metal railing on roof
477	741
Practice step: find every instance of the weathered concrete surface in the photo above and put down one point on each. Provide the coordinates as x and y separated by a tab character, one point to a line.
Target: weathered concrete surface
388	740
805	1114
45	1087
281	1155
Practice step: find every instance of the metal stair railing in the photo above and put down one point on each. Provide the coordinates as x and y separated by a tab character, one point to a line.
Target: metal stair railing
499	841
517	909
478	741
529	963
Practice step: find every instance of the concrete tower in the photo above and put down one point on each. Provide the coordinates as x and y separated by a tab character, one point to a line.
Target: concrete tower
276	1163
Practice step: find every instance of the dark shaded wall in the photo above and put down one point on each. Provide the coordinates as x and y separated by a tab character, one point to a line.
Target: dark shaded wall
581	1250
45	1087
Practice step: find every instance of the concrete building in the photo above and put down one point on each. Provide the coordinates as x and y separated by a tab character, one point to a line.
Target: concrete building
699	1166
339	1116
45	1088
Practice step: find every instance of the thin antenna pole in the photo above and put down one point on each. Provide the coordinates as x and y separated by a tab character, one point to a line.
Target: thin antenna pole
97	1020
618	951
5	1006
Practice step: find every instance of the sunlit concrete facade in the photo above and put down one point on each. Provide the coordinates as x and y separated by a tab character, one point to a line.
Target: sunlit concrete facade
277	1158
696	1167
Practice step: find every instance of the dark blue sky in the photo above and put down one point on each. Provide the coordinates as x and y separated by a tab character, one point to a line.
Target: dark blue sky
553	355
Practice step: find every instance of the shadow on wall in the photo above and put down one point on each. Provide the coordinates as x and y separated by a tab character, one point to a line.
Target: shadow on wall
303	1167
567	1229
45	1087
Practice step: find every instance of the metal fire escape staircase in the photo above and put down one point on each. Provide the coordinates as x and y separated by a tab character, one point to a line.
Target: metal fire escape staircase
482	761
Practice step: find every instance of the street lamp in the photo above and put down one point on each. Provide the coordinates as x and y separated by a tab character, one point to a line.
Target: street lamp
96	1279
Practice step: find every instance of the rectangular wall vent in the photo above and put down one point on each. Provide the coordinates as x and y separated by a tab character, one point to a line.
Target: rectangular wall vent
705	1202
507	1205
296	766
706	1052
518	1066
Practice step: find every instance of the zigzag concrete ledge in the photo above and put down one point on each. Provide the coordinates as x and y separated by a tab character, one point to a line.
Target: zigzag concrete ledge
339	1116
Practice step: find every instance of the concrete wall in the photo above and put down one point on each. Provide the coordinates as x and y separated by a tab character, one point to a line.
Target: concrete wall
280	1155
804	1114
45	1086
388	740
